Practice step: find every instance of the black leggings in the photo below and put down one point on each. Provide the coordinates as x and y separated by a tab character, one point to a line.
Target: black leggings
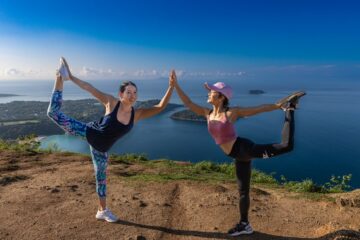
244	150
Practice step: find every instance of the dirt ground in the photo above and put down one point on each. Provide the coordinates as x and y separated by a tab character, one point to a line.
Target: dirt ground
52	196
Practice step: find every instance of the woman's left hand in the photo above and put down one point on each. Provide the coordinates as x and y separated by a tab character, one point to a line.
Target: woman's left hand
172	79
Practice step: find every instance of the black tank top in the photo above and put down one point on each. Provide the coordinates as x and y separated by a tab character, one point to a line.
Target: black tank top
104	133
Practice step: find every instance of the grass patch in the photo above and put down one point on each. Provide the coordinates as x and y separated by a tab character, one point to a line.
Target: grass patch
337	184
167	170
20	145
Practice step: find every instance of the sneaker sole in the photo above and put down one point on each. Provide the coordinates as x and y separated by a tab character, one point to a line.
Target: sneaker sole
241	233
298	94
102	219
63	71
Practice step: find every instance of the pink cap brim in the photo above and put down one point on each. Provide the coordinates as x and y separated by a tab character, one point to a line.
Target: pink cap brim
207	87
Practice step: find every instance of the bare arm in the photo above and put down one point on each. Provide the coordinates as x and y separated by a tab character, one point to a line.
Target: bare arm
187	101
104	98
143	113
250	111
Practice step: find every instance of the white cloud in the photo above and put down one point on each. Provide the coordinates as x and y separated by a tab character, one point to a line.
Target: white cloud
300	67
99	73
13	72
154	72
139	73
216	74
180	73
88	71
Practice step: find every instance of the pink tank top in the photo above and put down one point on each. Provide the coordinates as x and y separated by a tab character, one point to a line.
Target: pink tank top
221	130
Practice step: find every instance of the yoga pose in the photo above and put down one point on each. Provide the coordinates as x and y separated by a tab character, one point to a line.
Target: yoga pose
220	121
120	116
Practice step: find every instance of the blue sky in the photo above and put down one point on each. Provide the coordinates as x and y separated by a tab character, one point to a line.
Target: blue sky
210	39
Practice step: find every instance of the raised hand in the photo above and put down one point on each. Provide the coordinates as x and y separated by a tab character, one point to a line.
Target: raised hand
172	78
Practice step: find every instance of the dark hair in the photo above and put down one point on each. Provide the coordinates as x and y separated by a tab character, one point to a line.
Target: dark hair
125	84
226	102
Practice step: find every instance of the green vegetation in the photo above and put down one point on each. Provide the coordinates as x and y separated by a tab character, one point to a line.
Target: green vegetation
19	118
135	167
164	170
22	144
337	184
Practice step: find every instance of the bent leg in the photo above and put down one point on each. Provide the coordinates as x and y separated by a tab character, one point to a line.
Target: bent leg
68	124
287	140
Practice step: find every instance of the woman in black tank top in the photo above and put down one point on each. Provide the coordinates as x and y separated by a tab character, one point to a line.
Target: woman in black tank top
120	116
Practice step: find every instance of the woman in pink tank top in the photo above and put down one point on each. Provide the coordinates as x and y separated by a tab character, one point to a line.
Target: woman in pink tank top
221	119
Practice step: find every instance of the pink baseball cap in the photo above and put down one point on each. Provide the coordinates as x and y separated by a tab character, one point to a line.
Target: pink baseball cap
220	87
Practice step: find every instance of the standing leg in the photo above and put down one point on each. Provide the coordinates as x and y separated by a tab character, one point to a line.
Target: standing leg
100	162
287	140
243	176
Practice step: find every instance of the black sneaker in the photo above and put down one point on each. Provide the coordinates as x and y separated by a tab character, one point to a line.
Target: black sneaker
240	229
291	101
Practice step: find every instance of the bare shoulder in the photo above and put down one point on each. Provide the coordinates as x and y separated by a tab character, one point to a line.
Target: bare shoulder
112	101
206	111
234	113
233	110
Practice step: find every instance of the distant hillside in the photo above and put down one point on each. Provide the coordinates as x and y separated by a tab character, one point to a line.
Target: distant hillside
19	118
8	95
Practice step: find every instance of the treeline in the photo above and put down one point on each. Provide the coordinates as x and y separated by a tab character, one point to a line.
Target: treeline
85	110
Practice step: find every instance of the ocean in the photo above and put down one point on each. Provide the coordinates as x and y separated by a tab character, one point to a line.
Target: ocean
326	137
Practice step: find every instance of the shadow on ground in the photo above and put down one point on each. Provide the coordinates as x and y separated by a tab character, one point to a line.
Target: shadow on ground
338	235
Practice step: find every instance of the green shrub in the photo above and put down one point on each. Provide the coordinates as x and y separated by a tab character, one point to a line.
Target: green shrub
128	157
306	185
261	177
338	184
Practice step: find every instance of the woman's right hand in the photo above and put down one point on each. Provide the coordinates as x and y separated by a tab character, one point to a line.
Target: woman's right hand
172	79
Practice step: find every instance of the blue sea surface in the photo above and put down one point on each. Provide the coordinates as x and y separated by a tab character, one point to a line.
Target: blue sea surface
326	137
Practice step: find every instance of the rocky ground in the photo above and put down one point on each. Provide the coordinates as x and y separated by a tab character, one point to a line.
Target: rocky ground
52	196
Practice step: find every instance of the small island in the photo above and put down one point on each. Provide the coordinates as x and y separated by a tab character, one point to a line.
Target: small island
187	115
256	91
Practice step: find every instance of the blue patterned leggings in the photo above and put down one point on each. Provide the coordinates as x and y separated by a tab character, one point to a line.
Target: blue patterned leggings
77	128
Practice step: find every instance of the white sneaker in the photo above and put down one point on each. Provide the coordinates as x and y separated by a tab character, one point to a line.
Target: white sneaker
106	215
63	70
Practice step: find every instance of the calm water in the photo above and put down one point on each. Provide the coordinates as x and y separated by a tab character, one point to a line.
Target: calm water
326	139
